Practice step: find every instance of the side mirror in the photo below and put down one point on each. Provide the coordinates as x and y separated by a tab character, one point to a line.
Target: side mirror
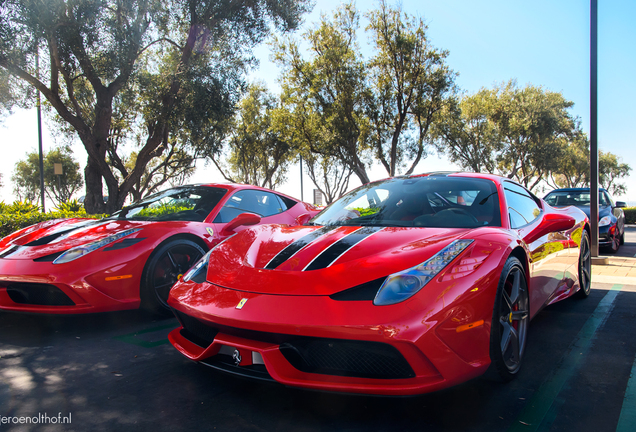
240	220
303	219
551	222
621	204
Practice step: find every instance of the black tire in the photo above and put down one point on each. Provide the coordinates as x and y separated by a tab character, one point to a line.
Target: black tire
164	267
585	267
510	321
621	241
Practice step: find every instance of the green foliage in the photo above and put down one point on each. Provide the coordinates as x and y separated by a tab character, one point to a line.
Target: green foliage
521	133
26	176
572	168
630	215
338	107
22	214
158	77
324	97
410	83
165	209
259	154
610	170
72	206
368	211
20	207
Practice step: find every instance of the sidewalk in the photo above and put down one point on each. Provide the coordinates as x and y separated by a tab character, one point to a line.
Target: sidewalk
619	270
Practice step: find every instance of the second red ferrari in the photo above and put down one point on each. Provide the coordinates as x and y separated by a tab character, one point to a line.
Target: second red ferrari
133	257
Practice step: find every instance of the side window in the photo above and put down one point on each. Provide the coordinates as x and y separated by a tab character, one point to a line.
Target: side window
252	201
523	207
286	203
604	199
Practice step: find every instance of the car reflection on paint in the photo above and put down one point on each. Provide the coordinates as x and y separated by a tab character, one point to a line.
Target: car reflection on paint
611	225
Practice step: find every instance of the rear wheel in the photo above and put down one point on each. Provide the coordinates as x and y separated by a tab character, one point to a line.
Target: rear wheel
615	243
510	321
585	267
163	269
622	238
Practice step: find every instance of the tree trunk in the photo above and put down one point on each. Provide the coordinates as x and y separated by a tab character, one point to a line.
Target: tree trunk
94	200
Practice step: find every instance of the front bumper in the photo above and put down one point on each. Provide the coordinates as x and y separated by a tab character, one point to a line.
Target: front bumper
606	235
318	343
73	288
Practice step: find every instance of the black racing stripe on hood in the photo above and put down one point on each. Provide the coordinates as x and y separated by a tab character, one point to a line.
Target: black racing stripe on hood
297	245
336	250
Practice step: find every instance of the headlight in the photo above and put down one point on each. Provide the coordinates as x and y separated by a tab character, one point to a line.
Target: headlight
199	271
400	286
605	221
80	251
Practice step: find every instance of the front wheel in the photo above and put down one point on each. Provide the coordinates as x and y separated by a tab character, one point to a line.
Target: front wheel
510	320
163	269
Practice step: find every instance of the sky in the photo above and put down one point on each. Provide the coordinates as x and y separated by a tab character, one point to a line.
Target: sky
542	42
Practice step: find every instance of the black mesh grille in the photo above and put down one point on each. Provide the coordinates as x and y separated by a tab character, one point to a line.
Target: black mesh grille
38	294
359	359
196	331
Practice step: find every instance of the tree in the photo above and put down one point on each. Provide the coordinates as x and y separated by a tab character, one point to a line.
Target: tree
59	188
174	167
327	95
610	170
467	135
531	123
573	167
148	73
328	174
259	155
411	85
520	133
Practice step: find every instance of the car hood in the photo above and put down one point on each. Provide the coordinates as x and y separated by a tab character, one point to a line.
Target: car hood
602	211
313	260
55	236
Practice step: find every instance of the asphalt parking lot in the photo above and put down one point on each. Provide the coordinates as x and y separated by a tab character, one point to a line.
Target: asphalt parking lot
118	371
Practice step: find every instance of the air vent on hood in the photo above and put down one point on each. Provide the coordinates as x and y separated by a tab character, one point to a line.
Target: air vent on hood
48	239
50	257
362	292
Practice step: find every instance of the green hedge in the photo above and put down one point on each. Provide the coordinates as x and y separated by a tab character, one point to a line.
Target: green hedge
18	215
630	215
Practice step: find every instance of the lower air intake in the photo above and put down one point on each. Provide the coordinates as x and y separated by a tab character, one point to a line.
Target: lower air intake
359	359
38	294
196	331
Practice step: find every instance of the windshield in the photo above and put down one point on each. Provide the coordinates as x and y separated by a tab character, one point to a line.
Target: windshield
186	203
432	201
573	198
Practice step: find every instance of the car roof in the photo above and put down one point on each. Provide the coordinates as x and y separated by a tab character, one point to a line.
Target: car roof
574	190
231	187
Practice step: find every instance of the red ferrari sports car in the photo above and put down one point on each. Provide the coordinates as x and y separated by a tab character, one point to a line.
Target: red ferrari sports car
133	257
403	286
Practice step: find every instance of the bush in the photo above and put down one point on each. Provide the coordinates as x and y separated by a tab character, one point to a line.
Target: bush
630	215
18	215
71	206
